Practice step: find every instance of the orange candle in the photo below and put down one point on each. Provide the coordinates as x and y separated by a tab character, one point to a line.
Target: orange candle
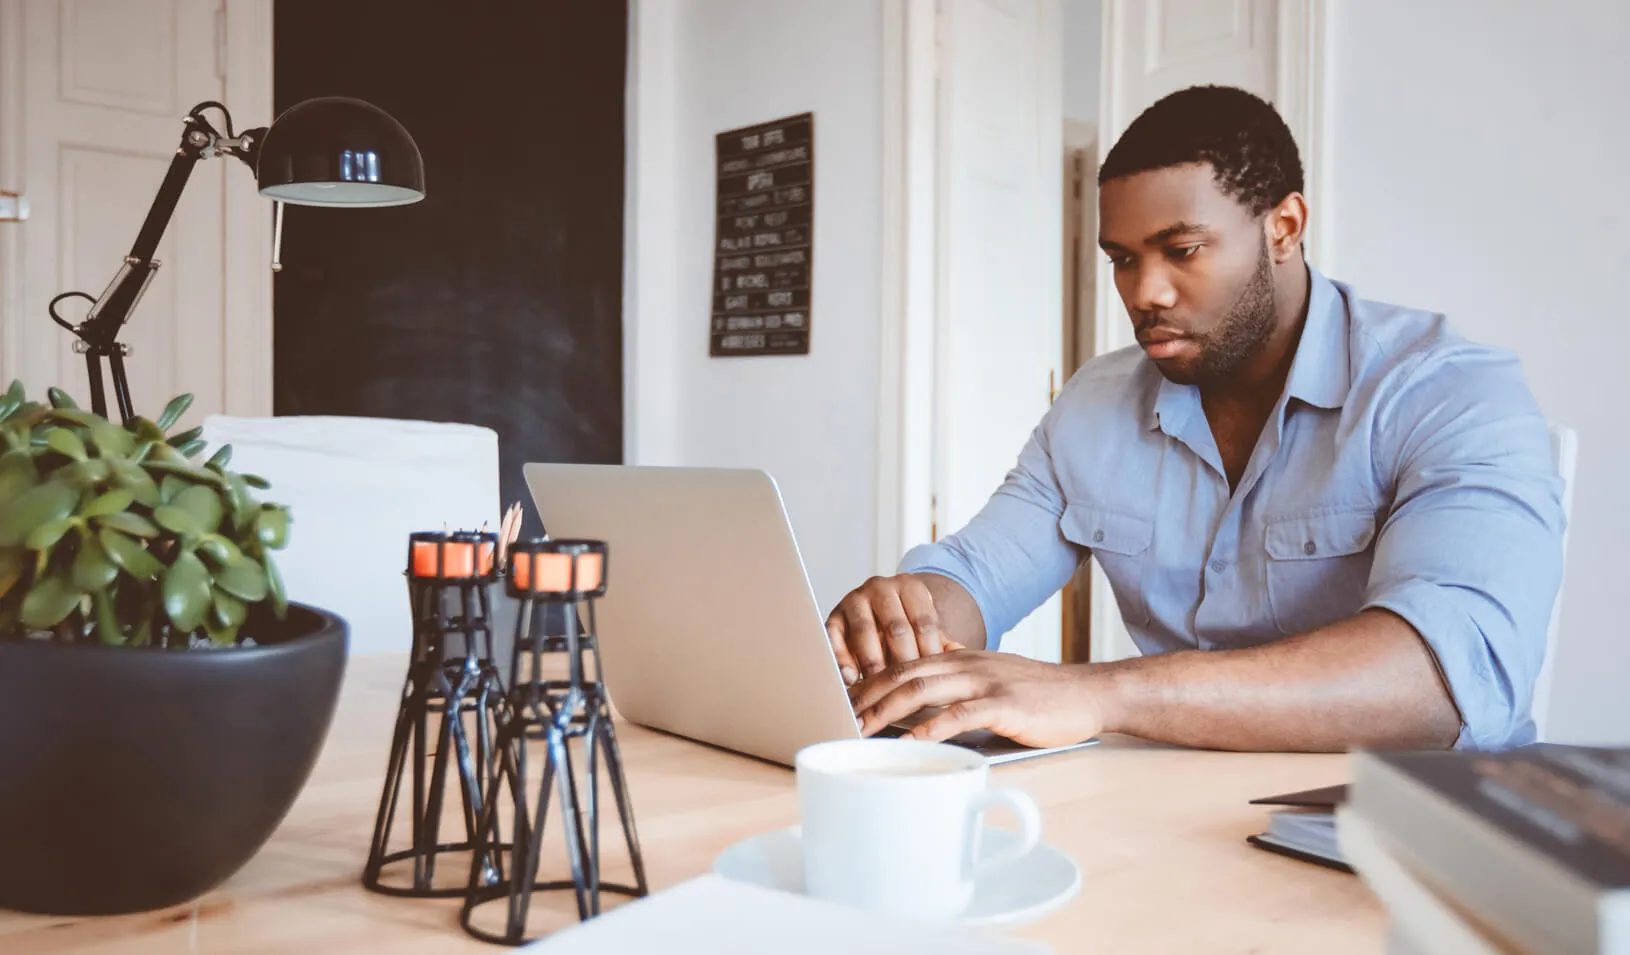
554	572
458	558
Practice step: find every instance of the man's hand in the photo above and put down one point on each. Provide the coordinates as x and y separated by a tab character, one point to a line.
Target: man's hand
886	620
1035	704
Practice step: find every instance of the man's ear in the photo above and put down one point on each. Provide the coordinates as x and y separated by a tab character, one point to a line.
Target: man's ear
1285	226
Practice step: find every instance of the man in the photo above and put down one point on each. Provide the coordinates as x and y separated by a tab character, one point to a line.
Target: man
1328	523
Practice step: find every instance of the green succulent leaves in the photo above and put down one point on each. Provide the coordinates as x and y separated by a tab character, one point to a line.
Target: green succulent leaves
117	534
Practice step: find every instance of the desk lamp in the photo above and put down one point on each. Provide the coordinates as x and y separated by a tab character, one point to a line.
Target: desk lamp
328	151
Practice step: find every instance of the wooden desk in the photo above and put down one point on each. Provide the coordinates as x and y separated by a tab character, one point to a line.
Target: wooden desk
1159	835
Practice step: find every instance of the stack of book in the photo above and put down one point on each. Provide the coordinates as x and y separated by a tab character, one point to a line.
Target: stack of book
1526	851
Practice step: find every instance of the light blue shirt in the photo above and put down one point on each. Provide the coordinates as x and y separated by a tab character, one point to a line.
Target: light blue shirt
1404	468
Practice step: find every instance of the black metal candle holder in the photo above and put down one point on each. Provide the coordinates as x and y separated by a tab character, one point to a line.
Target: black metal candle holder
451	675
568	575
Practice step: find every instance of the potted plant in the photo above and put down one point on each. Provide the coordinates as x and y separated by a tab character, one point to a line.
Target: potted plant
161	701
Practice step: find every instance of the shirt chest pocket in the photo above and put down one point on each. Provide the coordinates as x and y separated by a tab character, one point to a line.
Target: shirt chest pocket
1120	544
1318	567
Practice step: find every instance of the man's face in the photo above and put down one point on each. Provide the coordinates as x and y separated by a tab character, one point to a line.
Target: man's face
1191	263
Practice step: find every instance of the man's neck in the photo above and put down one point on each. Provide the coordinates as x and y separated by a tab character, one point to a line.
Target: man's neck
1260	380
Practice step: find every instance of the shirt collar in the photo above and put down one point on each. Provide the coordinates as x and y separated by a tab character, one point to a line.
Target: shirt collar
1320	374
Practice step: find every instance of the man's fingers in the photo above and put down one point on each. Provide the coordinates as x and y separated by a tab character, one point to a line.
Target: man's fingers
871	691
956	719
899	636
918	604
835	633
860	632
943	689
950	645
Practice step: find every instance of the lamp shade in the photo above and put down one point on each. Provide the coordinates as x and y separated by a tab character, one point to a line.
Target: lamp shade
339	151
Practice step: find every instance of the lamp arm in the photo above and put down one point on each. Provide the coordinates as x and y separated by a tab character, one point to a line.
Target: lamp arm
98	333
119	299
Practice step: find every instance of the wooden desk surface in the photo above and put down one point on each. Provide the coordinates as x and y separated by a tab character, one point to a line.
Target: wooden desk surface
1159	835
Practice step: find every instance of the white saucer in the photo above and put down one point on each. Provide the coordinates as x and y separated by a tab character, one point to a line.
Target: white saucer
1020	892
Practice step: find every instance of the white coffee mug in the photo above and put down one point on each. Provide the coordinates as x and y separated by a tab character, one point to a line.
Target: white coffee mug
893	825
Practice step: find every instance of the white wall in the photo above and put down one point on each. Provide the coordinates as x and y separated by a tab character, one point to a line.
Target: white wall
703	67
1479	169
1083	32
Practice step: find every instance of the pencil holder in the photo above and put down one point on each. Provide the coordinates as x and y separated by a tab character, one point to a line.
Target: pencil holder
453	692
556	697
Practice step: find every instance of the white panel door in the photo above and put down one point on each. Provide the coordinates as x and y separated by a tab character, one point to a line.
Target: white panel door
1151	48
104	87
999	337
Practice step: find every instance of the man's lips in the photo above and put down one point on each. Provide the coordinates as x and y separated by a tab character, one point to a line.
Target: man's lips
1159	344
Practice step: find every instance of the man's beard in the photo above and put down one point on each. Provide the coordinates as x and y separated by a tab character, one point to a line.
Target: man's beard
1243	330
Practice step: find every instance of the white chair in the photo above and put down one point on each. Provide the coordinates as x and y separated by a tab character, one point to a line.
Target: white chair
356	488
1565	451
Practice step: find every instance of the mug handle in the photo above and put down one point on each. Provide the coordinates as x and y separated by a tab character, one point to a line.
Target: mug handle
1024	809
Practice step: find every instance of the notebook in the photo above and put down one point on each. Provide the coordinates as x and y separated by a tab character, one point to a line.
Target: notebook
1305	828
710	915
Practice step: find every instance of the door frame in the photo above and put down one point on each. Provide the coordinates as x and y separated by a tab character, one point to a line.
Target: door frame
904	502
244	46
248	342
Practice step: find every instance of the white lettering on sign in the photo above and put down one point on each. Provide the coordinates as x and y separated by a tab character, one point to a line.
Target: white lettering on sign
766	238
750	142
795	257
756	280
760	180
742	342
734	245
779	299
775	136
735	301
738	262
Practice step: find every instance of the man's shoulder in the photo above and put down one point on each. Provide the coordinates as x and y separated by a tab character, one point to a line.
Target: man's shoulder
1393	345
1111	373
1114	383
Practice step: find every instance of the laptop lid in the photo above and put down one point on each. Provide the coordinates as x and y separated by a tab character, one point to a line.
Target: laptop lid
709	628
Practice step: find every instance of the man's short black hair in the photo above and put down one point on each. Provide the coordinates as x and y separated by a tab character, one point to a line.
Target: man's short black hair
1250	149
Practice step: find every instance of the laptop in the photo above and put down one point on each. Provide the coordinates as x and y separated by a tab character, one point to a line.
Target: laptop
709	629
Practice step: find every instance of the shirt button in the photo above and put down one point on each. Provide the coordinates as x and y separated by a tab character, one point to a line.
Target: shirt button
1097	537
1218	566
1310	548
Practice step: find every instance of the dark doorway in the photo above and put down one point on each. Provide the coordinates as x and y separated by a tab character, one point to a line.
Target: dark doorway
497	300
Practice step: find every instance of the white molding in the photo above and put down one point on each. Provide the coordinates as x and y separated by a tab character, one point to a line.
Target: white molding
888	503
1303	91
12	272
906	349
650	224
1107	638
247	240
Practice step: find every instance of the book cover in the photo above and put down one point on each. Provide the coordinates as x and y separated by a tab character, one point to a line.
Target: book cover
1571	803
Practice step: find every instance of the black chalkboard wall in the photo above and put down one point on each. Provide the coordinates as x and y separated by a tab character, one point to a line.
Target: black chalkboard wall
498	299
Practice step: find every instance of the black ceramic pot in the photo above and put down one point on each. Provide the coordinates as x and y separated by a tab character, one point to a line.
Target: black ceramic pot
132	779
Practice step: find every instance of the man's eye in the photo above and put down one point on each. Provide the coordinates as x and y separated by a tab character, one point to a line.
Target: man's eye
1120	261
1182	252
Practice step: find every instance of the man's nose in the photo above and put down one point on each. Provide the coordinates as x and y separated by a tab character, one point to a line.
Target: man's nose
1152	291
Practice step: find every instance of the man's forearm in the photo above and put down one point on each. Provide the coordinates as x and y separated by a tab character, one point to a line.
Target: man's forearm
1368	680
958	612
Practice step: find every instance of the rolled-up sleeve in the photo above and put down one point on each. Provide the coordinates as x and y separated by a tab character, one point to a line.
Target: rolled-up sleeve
1011	556
1471	553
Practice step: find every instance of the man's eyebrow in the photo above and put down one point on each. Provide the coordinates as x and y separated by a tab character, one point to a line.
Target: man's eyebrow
1175	230
1172	231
